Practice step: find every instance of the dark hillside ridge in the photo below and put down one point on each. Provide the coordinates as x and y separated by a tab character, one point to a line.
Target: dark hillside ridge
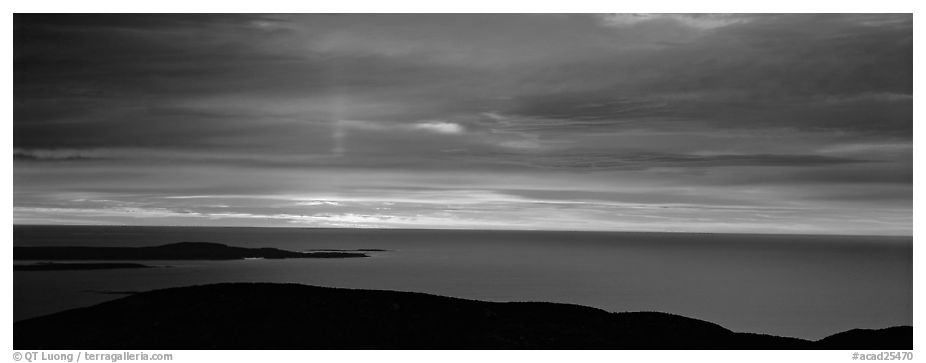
291	316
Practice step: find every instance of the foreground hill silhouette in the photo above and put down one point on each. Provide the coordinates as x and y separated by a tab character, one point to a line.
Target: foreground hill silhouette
291	316
173	251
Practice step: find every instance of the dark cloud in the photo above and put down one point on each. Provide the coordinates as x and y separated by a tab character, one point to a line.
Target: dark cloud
809	72
589	161
67	155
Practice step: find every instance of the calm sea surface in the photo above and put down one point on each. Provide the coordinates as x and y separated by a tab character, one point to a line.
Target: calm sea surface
801	286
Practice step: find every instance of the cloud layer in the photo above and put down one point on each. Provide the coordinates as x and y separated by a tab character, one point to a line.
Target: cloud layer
795	123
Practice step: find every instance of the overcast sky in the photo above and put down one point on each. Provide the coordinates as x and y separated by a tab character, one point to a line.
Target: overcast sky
705	123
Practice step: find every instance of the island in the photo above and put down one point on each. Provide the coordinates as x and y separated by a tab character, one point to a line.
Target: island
293	316
173	251
354	250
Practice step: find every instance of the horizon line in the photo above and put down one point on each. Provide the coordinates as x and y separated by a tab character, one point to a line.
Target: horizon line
464	229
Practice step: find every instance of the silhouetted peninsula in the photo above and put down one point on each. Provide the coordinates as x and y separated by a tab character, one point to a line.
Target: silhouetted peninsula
341	250
290	316
55	266
173	251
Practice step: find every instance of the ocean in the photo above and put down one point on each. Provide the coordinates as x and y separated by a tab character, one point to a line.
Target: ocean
805	286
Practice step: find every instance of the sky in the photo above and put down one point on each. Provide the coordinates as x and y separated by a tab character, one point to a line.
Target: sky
726	123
